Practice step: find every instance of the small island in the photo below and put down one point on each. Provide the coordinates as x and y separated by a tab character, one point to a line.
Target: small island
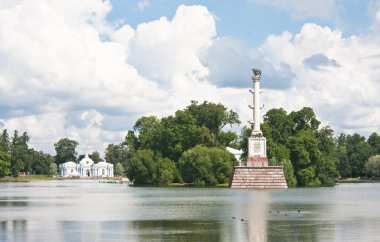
189	149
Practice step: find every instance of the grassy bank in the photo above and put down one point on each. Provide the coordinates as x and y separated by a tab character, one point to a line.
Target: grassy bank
225	185
359	180
28	178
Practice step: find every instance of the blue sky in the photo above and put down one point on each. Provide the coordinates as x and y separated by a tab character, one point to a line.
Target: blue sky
88	69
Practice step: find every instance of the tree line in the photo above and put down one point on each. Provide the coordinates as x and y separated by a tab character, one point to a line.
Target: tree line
189	146
313	155
16	156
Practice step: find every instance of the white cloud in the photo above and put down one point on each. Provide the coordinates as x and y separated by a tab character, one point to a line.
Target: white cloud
163	49
300	9
59	79
46	129
143	4
344	95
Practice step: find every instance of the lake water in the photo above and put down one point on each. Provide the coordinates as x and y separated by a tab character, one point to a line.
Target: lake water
83	210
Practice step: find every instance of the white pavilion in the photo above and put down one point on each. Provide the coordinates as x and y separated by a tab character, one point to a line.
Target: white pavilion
86	168
237	154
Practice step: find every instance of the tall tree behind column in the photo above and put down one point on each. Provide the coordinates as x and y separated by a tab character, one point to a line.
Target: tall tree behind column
65	149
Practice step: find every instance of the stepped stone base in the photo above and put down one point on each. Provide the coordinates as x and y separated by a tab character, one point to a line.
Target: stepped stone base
258	177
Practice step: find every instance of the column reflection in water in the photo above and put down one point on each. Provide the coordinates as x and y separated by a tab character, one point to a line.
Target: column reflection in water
250	220
257	216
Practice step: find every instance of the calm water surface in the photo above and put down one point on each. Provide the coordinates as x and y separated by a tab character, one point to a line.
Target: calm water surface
84	210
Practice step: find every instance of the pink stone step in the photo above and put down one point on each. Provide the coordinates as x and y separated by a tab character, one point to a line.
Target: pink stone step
258	177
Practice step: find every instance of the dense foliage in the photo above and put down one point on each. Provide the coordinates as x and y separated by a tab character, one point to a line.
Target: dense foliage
372	167
16	157
148	167
65	149
315	155
206	166
189	146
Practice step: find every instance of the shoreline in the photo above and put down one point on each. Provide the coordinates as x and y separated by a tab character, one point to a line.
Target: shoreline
29	178
359	180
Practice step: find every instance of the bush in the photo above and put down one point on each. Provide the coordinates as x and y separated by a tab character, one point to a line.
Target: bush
306	177
166	171
5	164
119	169
53	169
372	166
142	167
146	167
289	173
206	166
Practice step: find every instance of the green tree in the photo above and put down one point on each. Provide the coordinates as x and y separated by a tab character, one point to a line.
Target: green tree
141	168
5	144
306	177
279	152
176	134
304	119
296	137
20	153
326	143
145	127
41	162
305	155
291	180
374	142
5	164
222	164
206	166
244	136
358	152
171	135
95	156
132	141
113	154
372	166
343	166
53	171
228	139
118	153
213	116
280	126
5	157
326	171
65	149
166	171
119	169
326	166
